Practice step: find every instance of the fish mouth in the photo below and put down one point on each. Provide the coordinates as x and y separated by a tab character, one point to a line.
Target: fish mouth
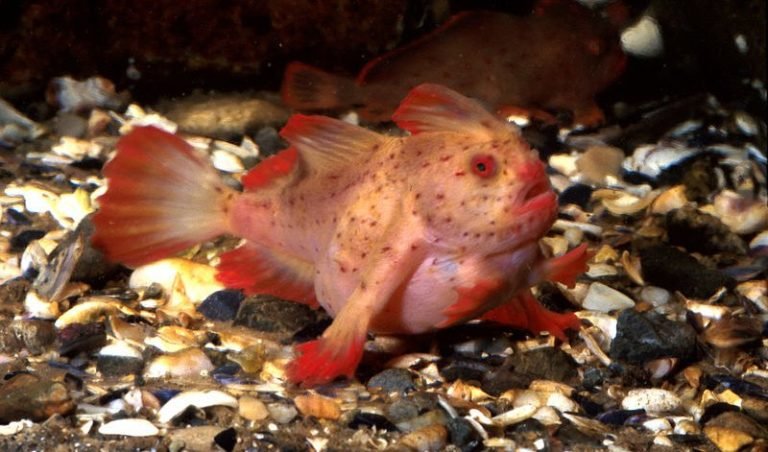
539	198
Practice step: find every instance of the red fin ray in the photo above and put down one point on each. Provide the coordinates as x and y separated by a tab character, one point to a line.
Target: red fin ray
162	198
322	360
524	311
271	168
470	300
435	108
259	271
566	268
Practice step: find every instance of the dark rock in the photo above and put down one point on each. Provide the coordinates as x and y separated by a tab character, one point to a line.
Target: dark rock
578	194
16	218
464	369
90	266
498	381
363	419
546	364
571	435
699	232
12	294
463	435
221	305
392	380
226	439
402	410
642	337
672	269
618	417
36	335
20	241
592	377
26	396
118	366
77	338
269	141
273	315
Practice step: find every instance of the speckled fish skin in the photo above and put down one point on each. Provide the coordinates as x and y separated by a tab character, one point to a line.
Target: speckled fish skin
388	234
558	58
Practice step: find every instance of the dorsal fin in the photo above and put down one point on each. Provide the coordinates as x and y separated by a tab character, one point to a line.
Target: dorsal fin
435	108
326	143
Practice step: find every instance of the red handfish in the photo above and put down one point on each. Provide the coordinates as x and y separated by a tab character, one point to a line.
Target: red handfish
388	234
558	58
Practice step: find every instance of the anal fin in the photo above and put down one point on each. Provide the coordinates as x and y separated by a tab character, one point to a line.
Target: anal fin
524	311
257	270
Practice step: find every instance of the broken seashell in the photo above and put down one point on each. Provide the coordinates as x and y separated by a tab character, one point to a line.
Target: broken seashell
632	267
74	95
669	200
743	215
199	279
129	427
466	392
92	310
515	415
653	400
651	160
191	362
606	299
622	203
321	407
199	399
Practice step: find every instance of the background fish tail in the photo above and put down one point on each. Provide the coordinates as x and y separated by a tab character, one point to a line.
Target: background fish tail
162	197
307	88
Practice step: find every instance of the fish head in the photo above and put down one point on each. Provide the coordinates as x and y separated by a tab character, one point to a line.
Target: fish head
487	196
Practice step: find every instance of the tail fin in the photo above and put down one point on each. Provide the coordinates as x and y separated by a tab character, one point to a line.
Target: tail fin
307	88
162	197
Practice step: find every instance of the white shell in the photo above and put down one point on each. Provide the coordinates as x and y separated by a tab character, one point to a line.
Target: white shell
199	399
191	362
606	299
199	279
129	427
643	39
515	415
653	400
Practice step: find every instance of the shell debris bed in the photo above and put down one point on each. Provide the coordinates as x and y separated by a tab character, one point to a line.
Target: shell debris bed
672	351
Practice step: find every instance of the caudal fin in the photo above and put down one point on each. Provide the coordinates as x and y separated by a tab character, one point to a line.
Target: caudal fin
162	197
307	88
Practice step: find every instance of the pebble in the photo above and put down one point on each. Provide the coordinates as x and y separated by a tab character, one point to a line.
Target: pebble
193	438
129	427
274	315
430	438
252	409
699	232
221	305
282	413
642	337
652	400
199	399
600	165
514	415
606	299
318	406
26	396
656	296
666	266
726	439
392	380
191	362
119	359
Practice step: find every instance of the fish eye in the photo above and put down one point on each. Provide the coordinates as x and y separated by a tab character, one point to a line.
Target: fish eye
484	165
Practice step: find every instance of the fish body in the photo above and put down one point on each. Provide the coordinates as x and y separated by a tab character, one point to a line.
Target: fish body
556	59
388	234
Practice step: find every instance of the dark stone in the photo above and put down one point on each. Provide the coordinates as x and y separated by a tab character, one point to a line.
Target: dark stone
666	266
402	410
392	380
12	294
118	366
571	435
26	396
36	335
642	337
498	381
546	364
16	218
592	377
699	232
578	194
464	369
463	435
221	305
78	337
274	315
226	439
20	241
618	417
363	419
91	266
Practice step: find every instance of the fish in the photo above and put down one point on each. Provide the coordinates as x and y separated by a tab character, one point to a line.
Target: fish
555	60
389	234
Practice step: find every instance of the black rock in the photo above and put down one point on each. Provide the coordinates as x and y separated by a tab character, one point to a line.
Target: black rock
546	364
618	417
699	232
80	337
363	419
12	294
642	337
20	241
402	410
578	194
274	315
463	435
392	380
221	305
666	266
118	366
226	439
464	369
16	218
